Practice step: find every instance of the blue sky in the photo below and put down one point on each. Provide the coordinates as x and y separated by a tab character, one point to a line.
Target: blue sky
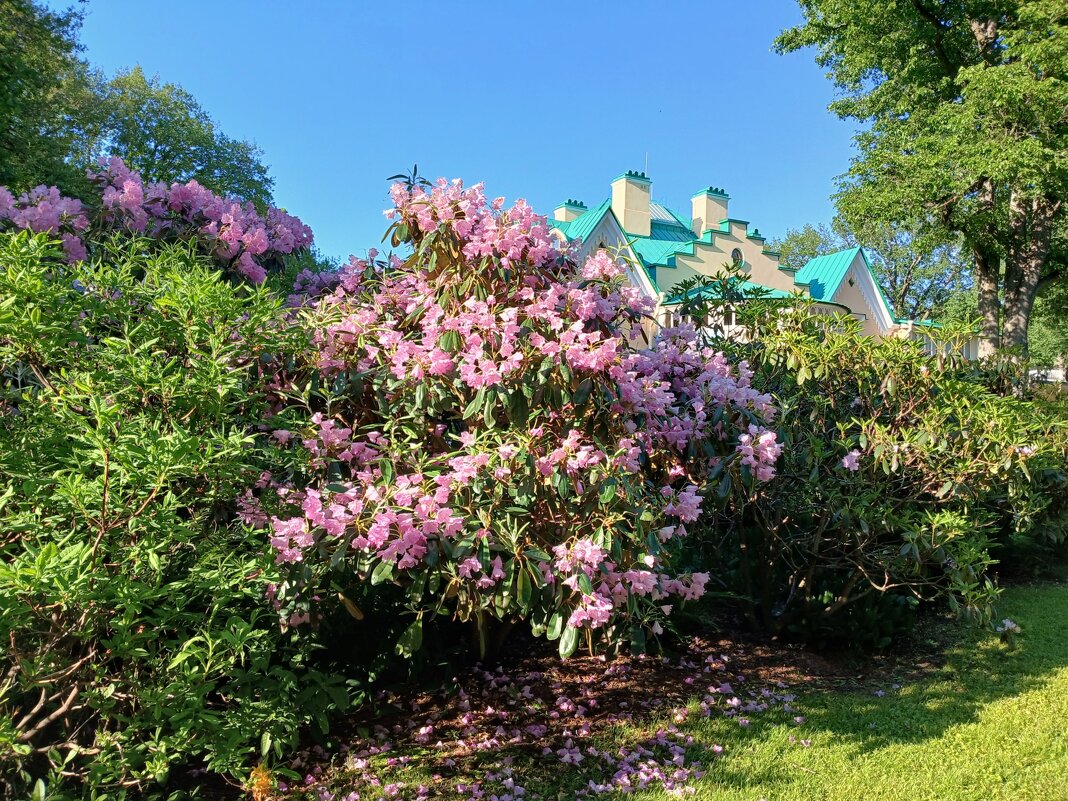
543	100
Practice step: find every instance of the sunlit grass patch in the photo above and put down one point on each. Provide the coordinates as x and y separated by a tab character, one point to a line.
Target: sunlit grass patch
988	724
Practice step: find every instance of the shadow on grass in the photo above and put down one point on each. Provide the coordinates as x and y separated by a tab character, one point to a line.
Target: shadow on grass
551	729
980	670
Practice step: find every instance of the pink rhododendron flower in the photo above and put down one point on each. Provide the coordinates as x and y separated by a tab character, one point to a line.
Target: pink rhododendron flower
851	461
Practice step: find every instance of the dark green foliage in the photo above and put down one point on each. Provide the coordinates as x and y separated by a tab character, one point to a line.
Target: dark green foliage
949	472
42	85
138	640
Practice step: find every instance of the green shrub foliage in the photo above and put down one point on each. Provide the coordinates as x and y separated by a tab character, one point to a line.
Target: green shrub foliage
138	642
901	476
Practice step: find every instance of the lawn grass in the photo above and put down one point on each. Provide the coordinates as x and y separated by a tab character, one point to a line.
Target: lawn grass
991	724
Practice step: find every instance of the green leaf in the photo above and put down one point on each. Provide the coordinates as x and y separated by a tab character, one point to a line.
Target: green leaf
411	640
475	405
582	393
555	627
584	584
637	640
568	642
523	588
384	572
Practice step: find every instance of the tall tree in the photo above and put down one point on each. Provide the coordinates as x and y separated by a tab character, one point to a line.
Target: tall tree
42	93
965	106
161	131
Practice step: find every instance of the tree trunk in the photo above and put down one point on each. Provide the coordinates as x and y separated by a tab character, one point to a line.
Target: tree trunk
986	274
987	277
1032	226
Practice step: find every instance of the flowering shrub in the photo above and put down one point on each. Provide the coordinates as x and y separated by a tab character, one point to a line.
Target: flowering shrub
486	434
137	645
900	480
237	235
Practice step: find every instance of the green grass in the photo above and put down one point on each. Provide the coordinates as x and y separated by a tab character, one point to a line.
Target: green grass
991	724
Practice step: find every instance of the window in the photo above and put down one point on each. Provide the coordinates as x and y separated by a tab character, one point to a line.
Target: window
736	258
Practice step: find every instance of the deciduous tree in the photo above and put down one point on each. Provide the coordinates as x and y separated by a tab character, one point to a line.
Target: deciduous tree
965	107
162	132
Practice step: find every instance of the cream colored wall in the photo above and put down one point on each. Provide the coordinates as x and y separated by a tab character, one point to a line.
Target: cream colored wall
668	277
852	297
710	258
565	213
630	204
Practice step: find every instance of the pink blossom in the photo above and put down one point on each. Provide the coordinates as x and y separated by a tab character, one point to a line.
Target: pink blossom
851	461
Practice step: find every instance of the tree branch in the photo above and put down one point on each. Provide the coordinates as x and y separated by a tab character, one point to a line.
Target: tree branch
939	43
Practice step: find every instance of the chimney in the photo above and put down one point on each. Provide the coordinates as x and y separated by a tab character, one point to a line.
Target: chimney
571	210
709	208
630	202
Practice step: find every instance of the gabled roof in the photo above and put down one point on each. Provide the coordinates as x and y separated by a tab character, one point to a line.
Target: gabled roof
823	274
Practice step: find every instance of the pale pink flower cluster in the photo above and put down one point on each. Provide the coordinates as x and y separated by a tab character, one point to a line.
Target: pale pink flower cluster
499	310
45	210
851	461
759	452
514	235
236	234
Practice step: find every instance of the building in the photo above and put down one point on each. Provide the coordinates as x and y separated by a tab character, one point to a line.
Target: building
664	248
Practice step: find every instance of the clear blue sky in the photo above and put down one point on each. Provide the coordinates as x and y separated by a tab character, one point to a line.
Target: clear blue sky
543	100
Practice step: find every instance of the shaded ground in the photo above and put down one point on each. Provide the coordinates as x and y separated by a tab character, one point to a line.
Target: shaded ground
537	728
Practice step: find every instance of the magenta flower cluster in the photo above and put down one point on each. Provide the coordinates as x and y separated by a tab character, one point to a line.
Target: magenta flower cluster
45	210
496	426
233	231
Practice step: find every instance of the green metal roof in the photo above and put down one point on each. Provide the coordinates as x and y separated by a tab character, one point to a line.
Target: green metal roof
582	226
823	274
659	251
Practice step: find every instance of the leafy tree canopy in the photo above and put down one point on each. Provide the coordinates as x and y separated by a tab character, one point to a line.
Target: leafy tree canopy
964	106
40	81
58	117
162	132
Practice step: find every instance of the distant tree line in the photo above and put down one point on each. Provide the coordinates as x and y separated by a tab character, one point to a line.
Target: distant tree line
59	116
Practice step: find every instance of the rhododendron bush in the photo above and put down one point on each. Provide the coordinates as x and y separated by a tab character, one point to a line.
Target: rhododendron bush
903	481
487	433
232	231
